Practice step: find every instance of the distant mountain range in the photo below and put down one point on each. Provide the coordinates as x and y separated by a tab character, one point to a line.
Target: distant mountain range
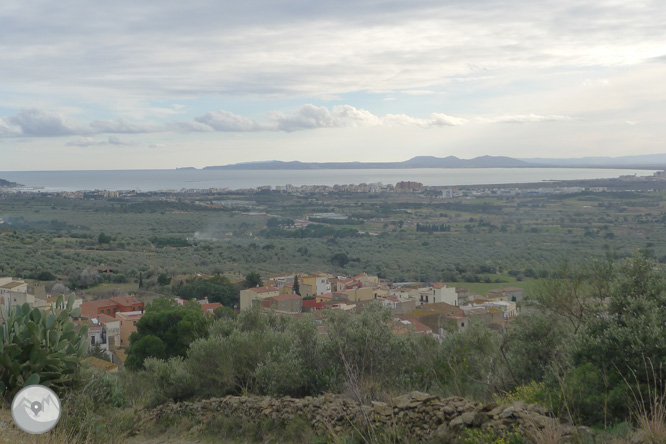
651	161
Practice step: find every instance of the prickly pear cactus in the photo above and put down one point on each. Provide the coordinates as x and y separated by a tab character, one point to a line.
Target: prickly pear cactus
38	347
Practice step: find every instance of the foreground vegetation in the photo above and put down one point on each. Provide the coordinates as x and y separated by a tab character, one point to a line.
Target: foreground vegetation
593	361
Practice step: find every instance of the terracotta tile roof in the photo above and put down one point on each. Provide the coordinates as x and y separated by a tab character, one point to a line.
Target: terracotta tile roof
311	303
418	326
263	289
210	307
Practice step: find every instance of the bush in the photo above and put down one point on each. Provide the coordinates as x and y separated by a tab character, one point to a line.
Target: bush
40	348
170	379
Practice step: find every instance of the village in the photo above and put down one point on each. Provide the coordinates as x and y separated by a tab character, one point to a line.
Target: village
432	309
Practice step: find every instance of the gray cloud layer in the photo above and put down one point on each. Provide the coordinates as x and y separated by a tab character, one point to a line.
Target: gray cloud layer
126	49
40	123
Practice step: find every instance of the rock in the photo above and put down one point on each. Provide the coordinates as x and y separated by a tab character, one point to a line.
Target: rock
457	423
497	410
382	408
468	418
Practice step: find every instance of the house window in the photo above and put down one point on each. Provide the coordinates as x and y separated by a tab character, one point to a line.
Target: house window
115	310
108	311
462	324
92	340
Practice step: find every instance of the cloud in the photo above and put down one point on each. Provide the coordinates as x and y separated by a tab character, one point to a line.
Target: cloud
157	145
83	142
89	142
227	121
341	116
38	123
435	120
306	117
419	92
123	126
113	140
526	118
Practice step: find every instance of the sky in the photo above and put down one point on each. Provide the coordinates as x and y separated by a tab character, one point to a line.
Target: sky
128	84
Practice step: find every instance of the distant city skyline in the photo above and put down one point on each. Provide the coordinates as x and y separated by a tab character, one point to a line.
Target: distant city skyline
128	85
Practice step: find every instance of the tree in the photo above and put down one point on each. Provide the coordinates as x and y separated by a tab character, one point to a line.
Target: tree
574	294
45	275
103	238
297	287
216	289
165	331
253	279
224	313
163	279
340	259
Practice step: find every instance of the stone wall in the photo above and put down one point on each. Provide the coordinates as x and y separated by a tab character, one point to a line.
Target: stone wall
419	415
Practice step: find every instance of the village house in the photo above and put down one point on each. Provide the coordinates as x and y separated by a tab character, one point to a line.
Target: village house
312	305
103	332
406	325
53	300
280	280
438	292
508	294
209	308
397	306
361	294
509	309
319	284
128	322
491	316
111	306
256	294
440	317
284	303
16	292
405	293
325	298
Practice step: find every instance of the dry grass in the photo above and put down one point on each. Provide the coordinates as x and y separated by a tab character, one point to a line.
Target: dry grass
652	420
650	409
548	432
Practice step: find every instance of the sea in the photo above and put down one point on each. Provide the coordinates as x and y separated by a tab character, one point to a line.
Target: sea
193	179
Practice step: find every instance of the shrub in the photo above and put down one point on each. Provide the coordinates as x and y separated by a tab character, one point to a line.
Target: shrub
40	348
